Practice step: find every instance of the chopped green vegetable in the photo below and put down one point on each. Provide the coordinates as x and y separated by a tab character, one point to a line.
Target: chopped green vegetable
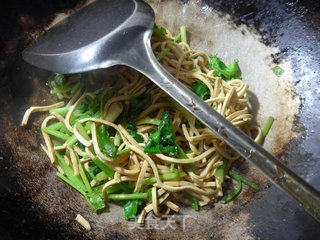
158	31
56	80
192	200
84	178
123	151
191	166
76	180
128	196
163	140
115	188
81	146
220	173
176	39
124	186
132	130
211	236
245	181
200	89
197	124
56	126
82	131
89	177
183	32
266	129
89	107
83	106
196	56
96	201
62	111
105	143
172	167
240	180
101	176
163	53
106	94
222	70
278	71
72	140
153	143
71	183
75	87
114	112
137	105
56	133
167	143
234	195
130	208
147	181
106	169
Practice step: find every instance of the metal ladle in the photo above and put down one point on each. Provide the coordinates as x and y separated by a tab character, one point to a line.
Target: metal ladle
118	32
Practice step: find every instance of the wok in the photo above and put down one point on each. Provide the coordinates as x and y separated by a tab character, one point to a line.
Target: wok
261	34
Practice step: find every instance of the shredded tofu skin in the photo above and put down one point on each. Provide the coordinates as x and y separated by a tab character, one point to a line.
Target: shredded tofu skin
83	222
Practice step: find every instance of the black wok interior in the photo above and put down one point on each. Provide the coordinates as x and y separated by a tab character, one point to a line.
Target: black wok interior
292	25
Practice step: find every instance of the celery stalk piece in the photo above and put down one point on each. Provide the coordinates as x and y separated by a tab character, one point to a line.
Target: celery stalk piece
106	169
56	133
128	196
114	111
183	31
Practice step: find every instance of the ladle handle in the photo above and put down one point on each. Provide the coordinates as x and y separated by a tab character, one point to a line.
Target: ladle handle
307	196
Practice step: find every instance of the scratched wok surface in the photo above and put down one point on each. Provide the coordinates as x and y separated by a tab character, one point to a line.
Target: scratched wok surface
34	204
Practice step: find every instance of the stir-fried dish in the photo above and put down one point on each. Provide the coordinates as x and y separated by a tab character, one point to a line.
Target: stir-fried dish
120	138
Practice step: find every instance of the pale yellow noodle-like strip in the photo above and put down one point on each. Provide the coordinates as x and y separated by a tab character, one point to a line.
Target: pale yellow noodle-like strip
141	176
184	161
74	161
48	140
39	109
73	107
80	138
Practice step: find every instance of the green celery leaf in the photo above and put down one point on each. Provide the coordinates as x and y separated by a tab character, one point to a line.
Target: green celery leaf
94	170
107	93
106	144
83	106
152	145
137	105
198	124
192	199
94	105
278	71
108	171
88	174
222	70
96	201
132	130
130	208
158	31
81	146
168	143
56	78
163	140
200	89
